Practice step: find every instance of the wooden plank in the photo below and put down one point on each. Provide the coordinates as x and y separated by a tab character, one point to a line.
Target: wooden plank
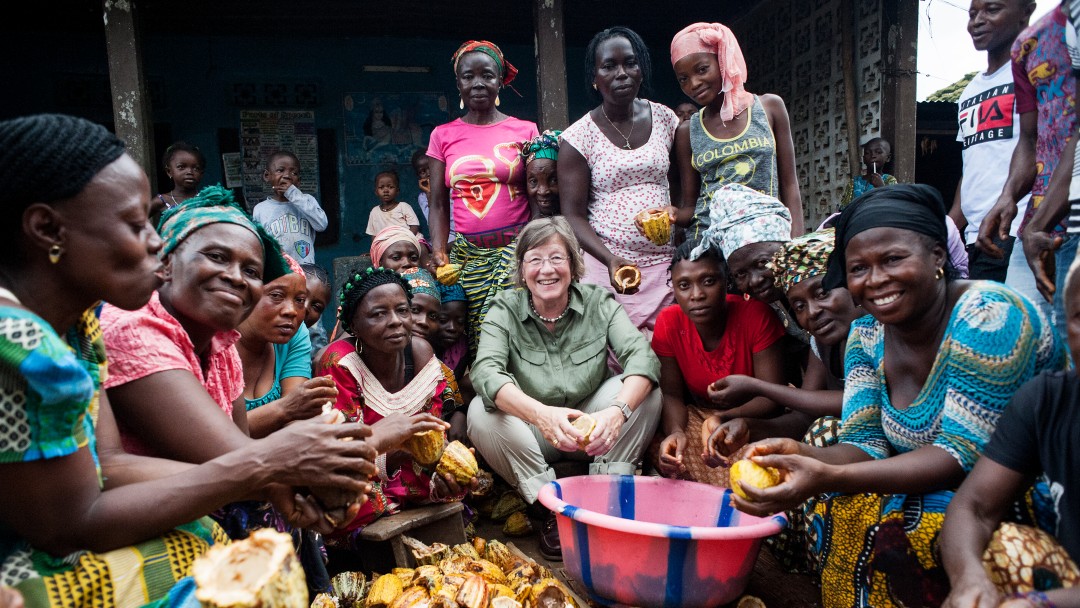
130	101
551	99
390	526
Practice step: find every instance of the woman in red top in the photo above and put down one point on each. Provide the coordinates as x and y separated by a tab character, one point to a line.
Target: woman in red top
704	338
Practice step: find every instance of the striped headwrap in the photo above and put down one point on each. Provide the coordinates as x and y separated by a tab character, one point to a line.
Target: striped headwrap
214	205
421	281
509	72
802	258
545	145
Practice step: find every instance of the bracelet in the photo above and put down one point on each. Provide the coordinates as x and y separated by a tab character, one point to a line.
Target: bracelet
1036	598
380	466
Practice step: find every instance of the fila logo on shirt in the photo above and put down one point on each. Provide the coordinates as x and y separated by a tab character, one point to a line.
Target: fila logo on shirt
987	116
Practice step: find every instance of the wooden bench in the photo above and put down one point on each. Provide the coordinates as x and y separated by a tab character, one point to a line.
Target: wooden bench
441	523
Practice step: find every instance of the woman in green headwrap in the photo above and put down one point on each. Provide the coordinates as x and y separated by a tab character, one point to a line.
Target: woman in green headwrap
541	155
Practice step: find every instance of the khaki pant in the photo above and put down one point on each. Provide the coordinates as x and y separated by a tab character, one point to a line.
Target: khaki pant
520	454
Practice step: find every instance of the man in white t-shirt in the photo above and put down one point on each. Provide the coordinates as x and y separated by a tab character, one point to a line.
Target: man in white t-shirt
989	128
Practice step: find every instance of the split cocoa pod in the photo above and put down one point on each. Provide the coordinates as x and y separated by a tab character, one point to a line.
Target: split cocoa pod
458	461
656	224
627	277
427	447
585	424
261	571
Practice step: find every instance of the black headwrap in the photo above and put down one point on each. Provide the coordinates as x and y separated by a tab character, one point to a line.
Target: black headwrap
50	157
915	207
354	290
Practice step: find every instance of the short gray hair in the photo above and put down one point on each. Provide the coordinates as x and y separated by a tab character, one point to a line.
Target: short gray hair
536	233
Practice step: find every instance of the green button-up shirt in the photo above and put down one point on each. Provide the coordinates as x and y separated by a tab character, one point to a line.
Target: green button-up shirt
564	367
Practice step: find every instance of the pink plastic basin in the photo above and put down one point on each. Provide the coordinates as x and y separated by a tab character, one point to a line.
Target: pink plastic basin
648	541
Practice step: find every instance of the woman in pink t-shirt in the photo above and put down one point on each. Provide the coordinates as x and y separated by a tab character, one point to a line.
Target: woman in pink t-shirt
483	185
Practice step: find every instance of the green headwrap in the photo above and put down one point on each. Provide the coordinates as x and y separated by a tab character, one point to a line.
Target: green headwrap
213	205
544	145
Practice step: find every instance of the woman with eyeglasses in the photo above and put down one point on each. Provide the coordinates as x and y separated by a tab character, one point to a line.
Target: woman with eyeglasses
542	364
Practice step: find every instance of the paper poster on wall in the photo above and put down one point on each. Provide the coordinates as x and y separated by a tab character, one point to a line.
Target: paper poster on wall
263	132
386	128
231	162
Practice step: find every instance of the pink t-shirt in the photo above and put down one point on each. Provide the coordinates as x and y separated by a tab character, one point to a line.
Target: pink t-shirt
150	340
484	172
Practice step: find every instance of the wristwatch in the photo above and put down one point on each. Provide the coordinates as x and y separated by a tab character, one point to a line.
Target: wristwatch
624	407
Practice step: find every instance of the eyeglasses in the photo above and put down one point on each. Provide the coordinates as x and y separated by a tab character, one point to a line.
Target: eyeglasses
556	261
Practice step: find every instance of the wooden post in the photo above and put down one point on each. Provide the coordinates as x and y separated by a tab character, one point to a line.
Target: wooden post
131	103
550	64
900	35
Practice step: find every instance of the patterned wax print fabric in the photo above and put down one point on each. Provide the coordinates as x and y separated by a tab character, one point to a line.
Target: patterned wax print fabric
1044	82
49	410
361	397
995	341
857	186
624	183
802	258
485	271
484	174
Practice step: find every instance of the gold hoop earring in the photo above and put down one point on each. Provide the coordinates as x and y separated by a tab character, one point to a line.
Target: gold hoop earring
55	253
497	102
940	274
359	347
461	104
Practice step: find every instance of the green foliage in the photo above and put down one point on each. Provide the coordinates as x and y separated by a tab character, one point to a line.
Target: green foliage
952	92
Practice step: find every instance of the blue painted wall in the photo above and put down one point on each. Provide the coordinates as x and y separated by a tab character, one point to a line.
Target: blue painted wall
192	79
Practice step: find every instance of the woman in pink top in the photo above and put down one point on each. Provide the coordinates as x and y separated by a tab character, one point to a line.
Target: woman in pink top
483	185
614	163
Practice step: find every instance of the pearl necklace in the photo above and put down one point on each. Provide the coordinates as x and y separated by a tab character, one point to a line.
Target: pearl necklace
550	319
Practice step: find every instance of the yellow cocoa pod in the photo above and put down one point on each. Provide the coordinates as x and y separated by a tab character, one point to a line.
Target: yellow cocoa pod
657	225
750	473
259	571
550	592
427	447
517	525
499	554
384	591
585	425
473	593
458	461
504	602
413	596
448	274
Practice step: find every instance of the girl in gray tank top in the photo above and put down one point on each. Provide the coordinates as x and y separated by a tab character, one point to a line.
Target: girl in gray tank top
736	138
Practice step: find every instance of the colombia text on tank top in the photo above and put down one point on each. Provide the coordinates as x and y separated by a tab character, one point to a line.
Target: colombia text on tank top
748	159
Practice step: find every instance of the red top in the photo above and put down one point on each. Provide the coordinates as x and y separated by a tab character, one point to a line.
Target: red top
751	328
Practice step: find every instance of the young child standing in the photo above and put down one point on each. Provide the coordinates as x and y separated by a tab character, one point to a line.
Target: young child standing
421	164
184	164
290	215
390	212
876	153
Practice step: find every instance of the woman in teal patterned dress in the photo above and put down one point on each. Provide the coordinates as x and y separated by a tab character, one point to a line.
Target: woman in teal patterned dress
81	522
928	373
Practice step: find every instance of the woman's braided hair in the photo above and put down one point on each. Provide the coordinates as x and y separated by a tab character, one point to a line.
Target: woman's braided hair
46	158
354	290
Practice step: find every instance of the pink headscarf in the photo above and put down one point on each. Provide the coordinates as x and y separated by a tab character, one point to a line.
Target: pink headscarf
295	266
387	237
717	38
